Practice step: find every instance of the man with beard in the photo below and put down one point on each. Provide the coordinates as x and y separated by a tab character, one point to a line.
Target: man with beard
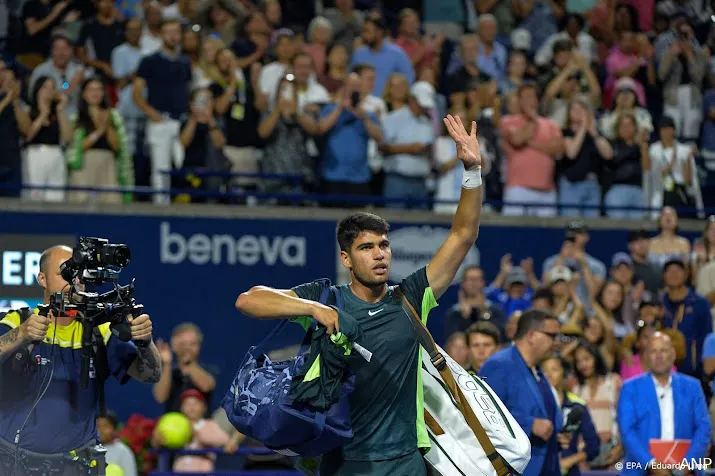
182	369
386	406
384	56
166	75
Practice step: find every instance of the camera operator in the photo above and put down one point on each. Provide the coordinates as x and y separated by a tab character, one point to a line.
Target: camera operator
47	419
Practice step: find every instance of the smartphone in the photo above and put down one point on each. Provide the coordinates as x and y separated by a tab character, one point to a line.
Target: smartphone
355	99
287	92
201	100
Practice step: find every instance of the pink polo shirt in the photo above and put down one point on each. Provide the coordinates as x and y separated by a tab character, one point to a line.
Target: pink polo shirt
527	167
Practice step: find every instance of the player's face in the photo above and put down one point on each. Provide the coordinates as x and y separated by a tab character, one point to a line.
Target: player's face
369	258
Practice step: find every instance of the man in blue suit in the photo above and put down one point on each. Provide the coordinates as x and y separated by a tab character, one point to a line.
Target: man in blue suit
515	376
664	405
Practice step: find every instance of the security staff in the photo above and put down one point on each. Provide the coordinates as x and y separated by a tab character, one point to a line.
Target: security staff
47	420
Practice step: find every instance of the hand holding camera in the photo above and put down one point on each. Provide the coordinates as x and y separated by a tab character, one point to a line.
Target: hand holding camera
141	328
34	329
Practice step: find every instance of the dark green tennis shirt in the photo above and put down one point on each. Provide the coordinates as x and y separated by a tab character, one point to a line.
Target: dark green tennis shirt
387	409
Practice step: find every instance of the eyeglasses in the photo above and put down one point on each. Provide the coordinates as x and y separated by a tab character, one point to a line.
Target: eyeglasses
553	335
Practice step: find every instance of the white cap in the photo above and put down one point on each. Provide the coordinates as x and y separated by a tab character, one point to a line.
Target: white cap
424	93
560	273
521	39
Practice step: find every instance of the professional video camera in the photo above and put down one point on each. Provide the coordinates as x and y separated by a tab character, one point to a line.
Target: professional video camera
95	262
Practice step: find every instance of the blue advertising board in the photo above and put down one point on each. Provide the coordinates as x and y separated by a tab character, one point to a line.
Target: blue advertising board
192	269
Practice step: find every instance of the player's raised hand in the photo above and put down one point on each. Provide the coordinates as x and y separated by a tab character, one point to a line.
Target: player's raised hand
467	144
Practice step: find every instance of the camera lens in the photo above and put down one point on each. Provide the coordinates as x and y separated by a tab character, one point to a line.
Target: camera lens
115	255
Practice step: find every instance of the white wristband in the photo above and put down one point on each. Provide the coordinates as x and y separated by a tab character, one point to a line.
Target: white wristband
472	178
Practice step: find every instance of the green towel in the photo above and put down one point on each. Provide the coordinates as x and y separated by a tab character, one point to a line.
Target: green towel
319	382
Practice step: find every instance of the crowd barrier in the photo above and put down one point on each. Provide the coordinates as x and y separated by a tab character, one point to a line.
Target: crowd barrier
165	457
304	198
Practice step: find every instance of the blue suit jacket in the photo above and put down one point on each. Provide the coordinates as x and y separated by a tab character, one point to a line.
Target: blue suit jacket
510	378
639	418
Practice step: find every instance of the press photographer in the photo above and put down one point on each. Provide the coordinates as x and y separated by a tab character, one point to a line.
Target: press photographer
56	358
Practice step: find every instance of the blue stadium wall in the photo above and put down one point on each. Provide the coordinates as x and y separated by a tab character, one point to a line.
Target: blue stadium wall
192	269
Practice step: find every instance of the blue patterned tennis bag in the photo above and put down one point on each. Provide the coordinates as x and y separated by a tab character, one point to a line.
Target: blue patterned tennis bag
258	405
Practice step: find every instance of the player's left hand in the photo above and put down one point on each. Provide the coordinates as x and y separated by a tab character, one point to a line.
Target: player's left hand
467	144
141	327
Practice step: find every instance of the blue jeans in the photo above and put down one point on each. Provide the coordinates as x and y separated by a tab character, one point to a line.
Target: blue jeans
624	196
580	194
405	188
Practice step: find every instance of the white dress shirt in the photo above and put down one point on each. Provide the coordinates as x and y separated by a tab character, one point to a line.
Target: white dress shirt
664	393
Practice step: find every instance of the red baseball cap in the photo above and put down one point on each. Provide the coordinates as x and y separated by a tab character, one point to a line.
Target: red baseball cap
192	392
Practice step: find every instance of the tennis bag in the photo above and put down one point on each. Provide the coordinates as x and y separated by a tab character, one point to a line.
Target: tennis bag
257	403
471	431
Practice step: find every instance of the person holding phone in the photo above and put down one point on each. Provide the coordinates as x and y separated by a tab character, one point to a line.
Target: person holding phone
347	127
201	139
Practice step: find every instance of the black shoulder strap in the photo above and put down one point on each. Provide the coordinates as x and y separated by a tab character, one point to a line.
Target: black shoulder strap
25	313
101	367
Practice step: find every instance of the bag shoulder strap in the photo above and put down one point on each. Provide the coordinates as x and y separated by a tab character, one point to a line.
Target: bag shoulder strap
427	342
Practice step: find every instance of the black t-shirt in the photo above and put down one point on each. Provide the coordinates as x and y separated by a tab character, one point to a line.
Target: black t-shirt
195	152
39	42
9	138
625	167
458	81
101	38
47	135
167	83
588	160
242	118
179	384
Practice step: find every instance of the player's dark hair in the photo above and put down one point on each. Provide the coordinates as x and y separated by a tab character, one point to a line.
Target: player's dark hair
532	320
484	328
351	226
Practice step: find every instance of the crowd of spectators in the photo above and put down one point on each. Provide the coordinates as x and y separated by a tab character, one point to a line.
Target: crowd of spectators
607	312
584	108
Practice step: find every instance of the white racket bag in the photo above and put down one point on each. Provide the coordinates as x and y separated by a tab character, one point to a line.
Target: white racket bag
456	450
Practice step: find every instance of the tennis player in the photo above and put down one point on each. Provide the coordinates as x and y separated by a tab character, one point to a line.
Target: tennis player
387	414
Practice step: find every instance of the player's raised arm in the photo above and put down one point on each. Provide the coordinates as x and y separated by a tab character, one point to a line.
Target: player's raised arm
465	225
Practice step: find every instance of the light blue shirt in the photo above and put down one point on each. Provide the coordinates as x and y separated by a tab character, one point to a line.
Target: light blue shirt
401	127
125	61
494	65
345	150
388	59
